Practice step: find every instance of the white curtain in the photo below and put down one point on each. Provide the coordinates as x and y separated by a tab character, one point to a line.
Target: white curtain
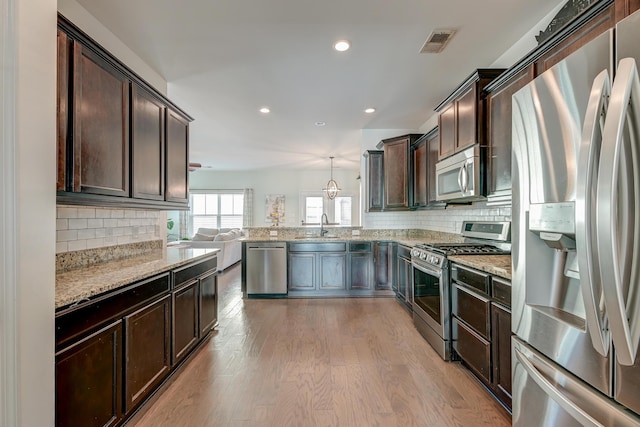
247	209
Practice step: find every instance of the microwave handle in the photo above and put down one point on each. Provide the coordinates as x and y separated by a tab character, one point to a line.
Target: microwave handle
465	178
460	172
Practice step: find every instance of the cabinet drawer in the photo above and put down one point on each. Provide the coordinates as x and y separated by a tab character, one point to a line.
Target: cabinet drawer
360	247
192	271
318	247
501	291
473	309
76	322
404	251
471	278
473	349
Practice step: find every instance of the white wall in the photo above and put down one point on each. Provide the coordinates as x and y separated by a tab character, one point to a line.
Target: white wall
28	212
287	182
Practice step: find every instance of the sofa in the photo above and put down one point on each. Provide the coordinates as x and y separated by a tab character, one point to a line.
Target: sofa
226	239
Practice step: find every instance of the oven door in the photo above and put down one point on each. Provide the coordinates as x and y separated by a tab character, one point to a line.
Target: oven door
430	295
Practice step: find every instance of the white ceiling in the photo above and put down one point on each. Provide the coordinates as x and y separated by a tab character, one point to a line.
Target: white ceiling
224	59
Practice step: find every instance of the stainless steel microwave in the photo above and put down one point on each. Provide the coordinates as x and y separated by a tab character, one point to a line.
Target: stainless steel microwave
458	177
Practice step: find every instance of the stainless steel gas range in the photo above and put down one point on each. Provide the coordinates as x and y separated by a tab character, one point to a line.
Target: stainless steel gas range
431	274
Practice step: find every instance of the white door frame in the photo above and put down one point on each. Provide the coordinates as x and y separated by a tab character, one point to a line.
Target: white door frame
8	246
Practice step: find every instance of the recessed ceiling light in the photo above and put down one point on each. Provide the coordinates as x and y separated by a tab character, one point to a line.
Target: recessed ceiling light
320	124
265	110
342	45
370	110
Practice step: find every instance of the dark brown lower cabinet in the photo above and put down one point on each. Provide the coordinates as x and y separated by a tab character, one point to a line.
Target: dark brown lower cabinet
185	320
89	378
501	342
147	350
208	303
384	260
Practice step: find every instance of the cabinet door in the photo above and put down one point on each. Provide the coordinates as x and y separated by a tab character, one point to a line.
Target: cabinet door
405	283
333	271
185	320
433	144
147	128
375	180
360	271
62	113
101	126
396	174
208	303
384	261
583	35
177	186
147	354
499	173
302	271
466	119
419	157
89	380
501	343
447	130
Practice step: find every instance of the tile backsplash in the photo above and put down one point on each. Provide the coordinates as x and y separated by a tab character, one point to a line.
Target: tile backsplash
447	220
79	228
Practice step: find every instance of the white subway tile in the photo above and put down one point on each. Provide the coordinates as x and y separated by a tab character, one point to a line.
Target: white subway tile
110	223
66	235
117	213
62	224
103	213
124	222
118	231
77	245
101	232
88	233
75	224
123	240
67	212
95	223
86	212
61	247
95	243
129	213
141	214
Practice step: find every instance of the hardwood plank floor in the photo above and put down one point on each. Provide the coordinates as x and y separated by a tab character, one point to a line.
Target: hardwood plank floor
317	362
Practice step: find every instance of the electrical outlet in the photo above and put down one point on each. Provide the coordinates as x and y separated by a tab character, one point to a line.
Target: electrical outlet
355	232
273	233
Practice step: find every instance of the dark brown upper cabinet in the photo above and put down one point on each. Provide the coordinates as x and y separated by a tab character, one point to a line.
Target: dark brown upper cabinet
177	184
424	156
100	125
499	149
148	147
398	172
462	116
120	142
374	184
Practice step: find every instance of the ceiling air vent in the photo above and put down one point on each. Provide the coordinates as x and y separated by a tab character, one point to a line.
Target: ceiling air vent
437	41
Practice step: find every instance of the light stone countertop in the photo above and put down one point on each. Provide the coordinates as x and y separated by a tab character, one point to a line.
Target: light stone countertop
76	285
499	265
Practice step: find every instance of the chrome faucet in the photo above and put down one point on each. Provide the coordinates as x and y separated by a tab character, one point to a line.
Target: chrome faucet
323	220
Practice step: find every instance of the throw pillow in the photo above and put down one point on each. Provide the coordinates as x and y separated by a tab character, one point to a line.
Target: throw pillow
203	237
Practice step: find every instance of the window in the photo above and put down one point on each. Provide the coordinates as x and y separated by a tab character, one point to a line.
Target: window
216	210
338	210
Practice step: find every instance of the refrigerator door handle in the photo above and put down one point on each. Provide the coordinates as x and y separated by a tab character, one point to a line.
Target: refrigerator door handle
621	293
572	408
588	155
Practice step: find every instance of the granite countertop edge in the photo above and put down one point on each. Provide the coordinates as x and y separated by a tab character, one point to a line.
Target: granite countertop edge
498	265
74	286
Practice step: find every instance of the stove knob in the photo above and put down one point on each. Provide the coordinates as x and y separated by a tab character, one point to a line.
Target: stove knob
414	252
423	256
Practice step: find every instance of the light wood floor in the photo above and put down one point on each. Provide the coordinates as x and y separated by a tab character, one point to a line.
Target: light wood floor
318	362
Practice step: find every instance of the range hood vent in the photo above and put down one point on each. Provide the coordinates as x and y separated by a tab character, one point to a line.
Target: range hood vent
437	40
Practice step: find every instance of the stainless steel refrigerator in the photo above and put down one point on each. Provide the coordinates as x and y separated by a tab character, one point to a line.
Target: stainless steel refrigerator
576	238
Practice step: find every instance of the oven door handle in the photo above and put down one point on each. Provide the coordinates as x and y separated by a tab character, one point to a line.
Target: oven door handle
427	270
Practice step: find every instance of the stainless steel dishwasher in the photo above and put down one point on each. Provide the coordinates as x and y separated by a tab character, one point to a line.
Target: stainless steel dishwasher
266	269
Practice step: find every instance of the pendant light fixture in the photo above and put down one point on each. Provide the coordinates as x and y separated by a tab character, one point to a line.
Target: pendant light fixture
332	186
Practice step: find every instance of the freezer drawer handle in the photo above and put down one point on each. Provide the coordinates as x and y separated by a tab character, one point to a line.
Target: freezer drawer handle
575	411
